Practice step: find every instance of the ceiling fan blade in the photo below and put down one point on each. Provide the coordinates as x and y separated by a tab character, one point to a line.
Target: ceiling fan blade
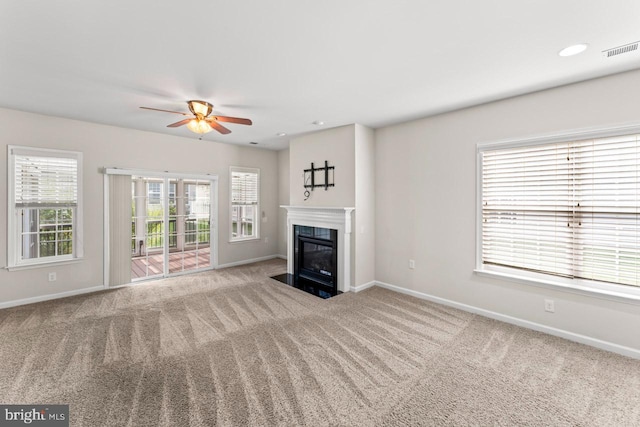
217	126
164	111
180	123
236	120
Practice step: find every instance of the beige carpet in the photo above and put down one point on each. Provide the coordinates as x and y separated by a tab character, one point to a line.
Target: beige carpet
233	347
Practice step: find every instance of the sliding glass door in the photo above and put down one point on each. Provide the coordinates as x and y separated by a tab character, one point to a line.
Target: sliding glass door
189	225
171	229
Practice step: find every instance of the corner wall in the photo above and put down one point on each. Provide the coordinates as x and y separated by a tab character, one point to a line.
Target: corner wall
364	230
283	200
426	204
351	149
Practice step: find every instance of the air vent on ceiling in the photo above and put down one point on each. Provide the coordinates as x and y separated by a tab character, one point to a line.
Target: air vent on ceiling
621	49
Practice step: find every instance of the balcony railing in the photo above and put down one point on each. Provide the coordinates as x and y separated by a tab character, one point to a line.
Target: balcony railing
195	231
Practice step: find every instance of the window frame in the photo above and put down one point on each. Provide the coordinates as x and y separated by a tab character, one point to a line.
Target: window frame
588	287
258	216
14	238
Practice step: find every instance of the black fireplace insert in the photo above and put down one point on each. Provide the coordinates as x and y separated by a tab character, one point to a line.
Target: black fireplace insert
316	256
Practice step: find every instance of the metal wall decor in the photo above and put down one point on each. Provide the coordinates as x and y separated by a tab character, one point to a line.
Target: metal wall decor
318	177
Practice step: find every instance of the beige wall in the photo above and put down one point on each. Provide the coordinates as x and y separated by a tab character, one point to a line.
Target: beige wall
364	230
334	145
117	147
425	203
283	194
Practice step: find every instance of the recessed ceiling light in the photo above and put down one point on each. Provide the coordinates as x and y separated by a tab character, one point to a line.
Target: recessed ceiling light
281	134
573	50
318	123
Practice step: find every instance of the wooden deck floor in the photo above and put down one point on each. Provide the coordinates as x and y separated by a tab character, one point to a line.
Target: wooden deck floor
178	261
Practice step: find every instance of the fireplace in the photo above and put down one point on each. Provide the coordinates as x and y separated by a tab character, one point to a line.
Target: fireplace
323	252
316	256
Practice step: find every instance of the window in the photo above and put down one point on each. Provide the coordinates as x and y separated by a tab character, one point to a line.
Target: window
569	209
44	210
154	191
245	204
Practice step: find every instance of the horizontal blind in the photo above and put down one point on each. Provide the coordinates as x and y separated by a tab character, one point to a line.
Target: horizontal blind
568	209
526	217
45	181
606	185
244	188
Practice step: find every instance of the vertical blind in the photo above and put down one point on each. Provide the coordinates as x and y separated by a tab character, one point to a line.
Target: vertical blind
45	181
569	209
244	188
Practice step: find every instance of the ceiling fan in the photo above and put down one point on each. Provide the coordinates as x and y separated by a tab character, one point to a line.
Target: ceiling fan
202	122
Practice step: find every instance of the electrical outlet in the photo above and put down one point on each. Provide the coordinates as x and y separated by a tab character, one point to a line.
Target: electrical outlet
266	240
549	306
52	277
412	264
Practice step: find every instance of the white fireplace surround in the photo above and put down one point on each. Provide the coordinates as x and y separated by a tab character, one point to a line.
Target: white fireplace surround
334	218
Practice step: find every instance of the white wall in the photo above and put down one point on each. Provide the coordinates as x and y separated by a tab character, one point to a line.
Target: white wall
334	145
117	147
364	229
283	194
425	203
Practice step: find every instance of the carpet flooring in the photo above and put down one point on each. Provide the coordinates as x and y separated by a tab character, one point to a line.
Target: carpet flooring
235	348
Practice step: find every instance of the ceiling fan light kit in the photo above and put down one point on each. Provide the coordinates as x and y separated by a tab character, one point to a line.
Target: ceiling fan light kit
199	126
202	122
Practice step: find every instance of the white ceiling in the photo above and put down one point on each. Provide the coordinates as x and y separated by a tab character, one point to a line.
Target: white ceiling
285	64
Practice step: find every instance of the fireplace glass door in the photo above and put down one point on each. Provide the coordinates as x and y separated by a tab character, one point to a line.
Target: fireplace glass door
316	255
317	258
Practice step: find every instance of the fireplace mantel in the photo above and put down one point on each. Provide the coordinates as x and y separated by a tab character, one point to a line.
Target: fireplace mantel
336	218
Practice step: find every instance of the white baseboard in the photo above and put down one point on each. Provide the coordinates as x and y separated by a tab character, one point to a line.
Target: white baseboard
284	257
247	261
363	287
41	298
571	336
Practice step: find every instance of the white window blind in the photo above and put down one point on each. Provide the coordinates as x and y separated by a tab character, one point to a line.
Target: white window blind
44	220
570	209
244	210
45	181
244	188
